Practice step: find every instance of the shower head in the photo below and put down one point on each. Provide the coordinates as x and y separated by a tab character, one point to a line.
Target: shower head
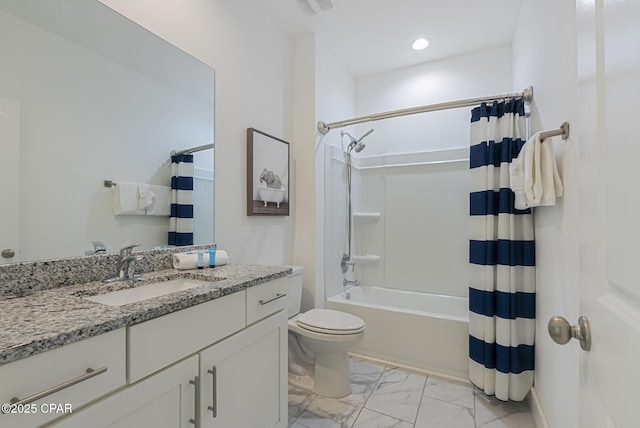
356	145
359	145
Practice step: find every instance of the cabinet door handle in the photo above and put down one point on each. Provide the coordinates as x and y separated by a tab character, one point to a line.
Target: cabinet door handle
88	375
278	296
214	404
196	418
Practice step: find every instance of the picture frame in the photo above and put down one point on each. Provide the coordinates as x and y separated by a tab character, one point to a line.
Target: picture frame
268	167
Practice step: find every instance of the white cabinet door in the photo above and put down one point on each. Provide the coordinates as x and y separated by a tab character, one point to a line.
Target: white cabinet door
243	378
164	400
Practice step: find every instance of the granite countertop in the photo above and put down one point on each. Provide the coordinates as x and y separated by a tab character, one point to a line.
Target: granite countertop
47	319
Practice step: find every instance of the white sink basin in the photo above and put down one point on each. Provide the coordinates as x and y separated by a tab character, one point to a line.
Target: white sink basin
147	291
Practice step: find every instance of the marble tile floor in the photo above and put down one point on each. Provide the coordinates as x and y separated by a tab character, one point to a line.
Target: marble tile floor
390	397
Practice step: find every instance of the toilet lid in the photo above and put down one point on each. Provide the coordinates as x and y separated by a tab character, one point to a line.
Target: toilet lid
330	322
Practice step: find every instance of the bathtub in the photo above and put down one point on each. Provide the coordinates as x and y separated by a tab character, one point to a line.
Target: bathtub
272	195
425	331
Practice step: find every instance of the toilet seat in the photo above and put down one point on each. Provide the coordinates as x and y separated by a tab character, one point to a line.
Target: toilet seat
328	321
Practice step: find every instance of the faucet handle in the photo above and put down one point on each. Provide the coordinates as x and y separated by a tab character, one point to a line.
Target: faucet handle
126	251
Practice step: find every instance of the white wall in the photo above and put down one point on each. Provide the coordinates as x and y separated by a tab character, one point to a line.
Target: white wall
323	91
304	248
253	59
545	57
477	74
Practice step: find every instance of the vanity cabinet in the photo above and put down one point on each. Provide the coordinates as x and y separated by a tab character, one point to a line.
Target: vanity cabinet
218	364
154	344
243	378
164	400
65	378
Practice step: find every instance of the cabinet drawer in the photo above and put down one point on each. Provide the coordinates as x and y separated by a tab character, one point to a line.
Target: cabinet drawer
60	367
266	299
156	343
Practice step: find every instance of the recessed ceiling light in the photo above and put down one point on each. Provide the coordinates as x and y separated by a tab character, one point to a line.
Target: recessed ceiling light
420	44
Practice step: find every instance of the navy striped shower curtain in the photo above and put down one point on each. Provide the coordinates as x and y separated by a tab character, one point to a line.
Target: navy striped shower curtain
181	219
501	257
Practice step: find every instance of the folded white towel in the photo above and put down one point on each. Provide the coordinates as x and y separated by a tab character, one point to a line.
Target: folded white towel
161	200
534	176
125	199
145	196
189	260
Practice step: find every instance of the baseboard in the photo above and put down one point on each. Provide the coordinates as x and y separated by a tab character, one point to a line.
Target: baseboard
409	368
536	409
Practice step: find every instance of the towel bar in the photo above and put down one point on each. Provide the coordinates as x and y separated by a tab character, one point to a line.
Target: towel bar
109	183
564	131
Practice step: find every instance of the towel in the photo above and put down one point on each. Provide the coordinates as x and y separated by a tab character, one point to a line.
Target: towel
534	176
189	260
161	200
125	199
145	196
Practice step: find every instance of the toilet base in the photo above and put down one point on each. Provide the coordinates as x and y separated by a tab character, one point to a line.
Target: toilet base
332	376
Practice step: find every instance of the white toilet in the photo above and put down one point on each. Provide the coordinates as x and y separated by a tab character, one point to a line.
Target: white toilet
318	343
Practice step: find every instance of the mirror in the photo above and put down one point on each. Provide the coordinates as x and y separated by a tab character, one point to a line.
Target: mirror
86	95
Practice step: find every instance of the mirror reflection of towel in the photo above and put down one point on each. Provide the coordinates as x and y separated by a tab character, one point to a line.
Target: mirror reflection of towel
145	196
125	199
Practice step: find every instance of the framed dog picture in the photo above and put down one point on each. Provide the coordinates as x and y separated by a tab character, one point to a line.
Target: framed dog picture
267	174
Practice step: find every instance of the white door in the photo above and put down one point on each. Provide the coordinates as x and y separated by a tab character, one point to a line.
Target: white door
9	179
609	145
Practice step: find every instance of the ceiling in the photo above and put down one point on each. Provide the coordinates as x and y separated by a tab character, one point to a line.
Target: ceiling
370	36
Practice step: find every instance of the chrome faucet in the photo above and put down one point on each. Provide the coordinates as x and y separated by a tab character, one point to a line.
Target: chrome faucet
346	282
125	270
345	262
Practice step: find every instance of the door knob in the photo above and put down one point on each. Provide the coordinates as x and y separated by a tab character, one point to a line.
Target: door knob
561	331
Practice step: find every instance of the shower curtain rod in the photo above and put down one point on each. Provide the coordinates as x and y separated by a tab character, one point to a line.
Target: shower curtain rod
324	128
193	149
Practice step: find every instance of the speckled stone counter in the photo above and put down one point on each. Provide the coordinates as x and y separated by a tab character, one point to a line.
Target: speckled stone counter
47	318
20	279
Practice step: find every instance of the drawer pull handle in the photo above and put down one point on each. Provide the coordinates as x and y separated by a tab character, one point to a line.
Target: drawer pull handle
88	375
214	406
278	296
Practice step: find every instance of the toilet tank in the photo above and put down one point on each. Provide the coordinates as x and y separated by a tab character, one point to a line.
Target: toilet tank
294	291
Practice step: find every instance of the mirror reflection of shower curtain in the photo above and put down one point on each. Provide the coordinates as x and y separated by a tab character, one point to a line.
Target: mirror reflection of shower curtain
181	219
501	256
